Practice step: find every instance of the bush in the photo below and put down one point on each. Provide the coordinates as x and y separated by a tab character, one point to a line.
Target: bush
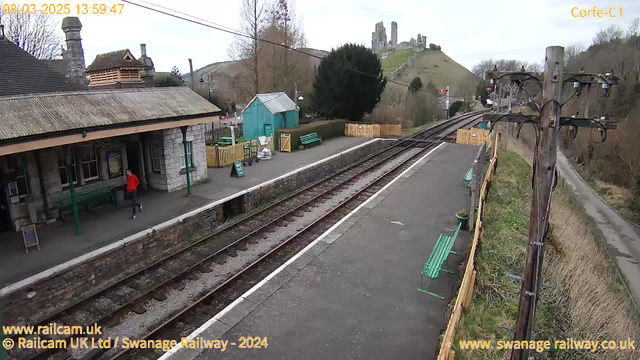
433	46
325	129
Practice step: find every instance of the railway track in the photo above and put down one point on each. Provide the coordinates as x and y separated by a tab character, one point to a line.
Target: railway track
264	239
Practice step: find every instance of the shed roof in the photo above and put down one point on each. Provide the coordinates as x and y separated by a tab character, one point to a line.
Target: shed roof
29	115
114	60
275	102
21	73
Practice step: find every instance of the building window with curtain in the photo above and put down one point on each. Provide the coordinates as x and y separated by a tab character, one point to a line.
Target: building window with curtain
189	155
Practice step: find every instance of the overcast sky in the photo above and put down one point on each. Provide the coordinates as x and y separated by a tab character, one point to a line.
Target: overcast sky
468	30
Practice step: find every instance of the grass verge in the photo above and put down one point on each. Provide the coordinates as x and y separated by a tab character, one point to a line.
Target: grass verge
583	297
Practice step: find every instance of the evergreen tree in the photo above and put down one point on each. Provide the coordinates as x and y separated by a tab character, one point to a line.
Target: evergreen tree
338	91
175	72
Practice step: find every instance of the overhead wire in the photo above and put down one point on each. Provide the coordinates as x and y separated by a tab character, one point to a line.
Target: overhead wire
229	30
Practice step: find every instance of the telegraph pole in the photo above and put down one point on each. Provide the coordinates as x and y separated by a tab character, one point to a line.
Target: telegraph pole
543	179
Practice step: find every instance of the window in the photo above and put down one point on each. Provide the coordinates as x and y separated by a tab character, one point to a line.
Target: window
88	162
189	155
18	186
156	157
62	169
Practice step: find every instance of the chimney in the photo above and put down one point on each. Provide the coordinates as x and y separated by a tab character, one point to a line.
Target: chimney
74	55
149	71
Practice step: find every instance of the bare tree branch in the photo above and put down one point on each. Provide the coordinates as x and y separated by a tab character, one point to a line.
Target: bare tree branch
34	33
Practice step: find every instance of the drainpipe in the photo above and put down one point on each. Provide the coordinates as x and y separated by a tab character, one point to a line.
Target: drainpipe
43	189
186	158
72	193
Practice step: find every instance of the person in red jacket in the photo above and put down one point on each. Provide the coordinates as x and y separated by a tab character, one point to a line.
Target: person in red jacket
132	189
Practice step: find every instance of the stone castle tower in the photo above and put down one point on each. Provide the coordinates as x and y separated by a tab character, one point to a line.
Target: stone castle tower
394	34
74	55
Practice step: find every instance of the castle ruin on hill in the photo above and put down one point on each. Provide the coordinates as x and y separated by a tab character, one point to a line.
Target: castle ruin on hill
379	41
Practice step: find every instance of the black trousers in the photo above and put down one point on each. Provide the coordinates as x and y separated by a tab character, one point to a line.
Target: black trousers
134	200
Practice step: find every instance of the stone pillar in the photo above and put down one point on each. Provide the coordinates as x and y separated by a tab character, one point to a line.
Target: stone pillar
74	55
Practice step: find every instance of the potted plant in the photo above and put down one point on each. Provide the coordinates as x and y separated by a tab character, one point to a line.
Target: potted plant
463	218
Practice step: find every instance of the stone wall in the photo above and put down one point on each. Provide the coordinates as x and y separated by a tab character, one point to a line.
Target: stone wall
54	189
102	268
174	164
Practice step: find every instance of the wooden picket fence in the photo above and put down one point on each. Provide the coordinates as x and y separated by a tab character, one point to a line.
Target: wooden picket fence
372	130
465	294
225	156
473	136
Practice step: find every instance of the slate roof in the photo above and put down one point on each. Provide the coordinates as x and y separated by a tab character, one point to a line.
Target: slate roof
30	115
21	73
113	60
275	102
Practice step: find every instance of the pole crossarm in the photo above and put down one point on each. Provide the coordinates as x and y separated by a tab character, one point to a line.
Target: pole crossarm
608	124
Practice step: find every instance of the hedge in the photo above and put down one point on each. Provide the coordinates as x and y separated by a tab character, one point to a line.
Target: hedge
326	129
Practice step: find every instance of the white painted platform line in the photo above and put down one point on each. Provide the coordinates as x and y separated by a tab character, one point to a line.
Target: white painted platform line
257	286
139	235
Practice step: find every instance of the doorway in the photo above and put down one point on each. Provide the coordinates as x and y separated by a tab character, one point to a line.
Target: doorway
133	159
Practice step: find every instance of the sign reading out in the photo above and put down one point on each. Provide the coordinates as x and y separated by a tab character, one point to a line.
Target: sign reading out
30	237
237	170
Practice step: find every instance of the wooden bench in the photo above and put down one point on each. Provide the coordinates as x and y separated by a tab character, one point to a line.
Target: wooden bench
468	176
309	139
439	255
86	200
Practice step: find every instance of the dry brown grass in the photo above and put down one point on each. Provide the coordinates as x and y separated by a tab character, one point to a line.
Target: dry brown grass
598	306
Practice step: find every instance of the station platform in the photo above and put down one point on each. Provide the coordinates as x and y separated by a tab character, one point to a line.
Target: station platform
108	223
353	292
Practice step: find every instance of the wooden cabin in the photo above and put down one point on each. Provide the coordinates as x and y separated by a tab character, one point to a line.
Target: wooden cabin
117	69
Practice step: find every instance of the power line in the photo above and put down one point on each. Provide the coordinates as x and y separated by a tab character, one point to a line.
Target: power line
228	30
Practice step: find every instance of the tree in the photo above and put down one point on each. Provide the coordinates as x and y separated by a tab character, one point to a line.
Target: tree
608	35
571	53
534	68
634	29
339	91
36	34
416	84
245	50
481	68
175	72
283	68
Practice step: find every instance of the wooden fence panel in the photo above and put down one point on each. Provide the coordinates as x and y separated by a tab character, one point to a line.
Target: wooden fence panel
372	130
228	154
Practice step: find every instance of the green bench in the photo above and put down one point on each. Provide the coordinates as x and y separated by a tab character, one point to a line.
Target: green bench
86	200
309	139
439	255
468	176
226	141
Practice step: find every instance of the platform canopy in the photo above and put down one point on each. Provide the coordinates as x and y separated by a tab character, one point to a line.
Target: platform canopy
36	121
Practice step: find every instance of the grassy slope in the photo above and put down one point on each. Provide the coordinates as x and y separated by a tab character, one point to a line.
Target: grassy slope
585	302
434	66
396	59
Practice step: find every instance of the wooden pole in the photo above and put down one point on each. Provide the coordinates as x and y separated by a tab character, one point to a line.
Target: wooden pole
544	169
68	159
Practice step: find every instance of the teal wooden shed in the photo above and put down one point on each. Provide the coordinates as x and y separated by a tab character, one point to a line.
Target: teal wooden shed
267	113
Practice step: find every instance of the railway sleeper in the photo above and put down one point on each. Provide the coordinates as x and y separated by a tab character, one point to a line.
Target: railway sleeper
159	296
220	259
137	308
242	246
192	276
204	269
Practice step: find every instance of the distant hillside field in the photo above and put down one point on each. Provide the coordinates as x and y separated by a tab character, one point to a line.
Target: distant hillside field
434	66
